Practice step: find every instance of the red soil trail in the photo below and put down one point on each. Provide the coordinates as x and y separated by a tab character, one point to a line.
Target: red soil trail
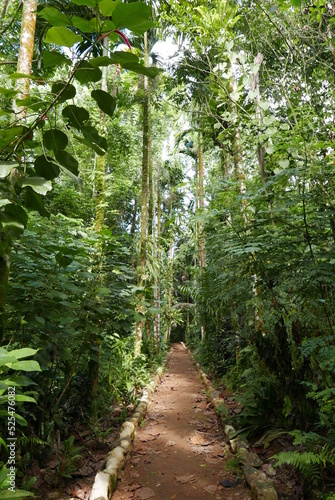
180	451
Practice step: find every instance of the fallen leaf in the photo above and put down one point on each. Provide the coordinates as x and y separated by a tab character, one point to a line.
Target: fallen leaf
269	470
85	471
123	496
144	493
156	433
212	488
144	439
199	440
140	450
81	494
52	463
186	479
133	486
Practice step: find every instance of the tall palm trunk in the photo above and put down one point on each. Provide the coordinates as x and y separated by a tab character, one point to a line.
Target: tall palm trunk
201	224
93	369
158	255
144	204
169	318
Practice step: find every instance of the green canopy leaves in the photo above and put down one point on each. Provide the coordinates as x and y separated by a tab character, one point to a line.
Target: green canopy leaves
62	36
105	101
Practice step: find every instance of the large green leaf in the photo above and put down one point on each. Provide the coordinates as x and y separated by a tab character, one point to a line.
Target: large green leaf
6	167
91	145
8	92
63	260
54	17
92	135
37	184
107	7
52	58
100	61
85	25
62	36
105	101
67	91
133	16
26	366
35	202
24	352
108	26
75	115
24	398
55	139
87	73
67	161
18	397
17	212
44	167
119	57
11	224
18	381
6	357
151	72
19	419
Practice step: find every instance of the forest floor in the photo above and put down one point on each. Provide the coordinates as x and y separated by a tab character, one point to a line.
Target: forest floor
180	450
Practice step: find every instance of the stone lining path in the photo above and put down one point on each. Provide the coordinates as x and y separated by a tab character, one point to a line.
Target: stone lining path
180	450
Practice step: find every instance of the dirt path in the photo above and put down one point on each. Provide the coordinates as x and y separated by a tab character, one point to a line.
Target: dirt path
180	451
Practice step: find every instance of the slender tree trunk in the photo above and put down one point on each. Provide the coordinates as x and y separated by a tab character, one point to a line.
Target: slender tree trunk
169	322
255	87
134	217
158	255
201	224
93	370
144	204
151	208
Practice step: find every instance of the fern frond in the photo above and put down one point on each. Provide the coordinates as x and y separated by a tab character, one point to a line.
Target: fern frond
297	459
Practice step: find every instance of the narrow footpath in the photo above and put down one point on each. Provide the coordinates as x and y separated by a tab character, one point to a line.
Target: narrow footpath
180	451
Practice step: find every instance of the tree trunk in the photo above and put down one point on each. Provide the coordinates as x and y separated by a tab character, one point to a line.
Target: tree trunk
158	255
93	370
169	318
134	217
151	208
255	87
144	204
201	224
26	50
